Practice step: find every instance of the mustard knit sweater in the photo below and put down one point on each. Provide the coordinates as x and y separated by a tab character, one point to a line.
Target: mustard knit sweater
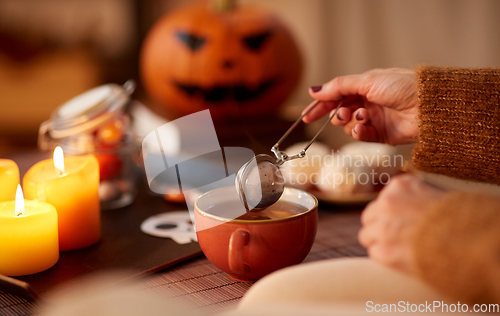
457	245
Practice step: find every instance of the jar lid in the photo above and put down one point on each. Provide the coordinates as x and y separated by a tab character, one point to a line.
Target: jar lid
90	109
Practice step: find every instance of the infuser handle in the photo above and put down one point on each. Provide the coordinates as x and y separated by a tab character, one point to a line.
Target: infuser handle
283	156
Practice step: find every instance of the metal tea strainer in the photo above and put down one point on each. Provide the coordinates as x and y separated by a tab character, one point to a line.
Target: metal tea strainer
259	181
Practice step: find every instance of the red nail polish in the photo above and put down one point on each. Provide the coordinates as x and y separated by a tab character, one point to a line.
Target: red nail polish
316	88
359	117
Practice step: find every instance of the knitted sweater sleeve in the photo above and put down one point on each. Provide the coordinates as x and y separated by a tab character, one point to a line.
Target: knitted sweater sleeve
459	123
457	245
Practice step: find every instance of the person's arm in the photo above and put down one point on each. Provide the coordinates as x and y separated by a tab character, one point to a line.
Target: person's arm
456	247
459	123
449	240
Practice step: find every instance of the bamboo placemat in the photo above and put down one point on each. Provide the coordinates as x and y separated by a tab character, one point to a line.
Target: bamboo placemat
199	284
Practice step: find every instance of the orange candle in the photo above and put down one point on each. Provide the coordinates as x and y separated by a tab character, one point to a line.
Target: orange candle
70	184
9	179
28	236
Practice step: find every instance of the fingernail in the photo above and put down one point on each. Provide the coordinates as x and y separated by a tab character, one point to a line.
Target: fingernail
338	116
316	88
354	129
359	117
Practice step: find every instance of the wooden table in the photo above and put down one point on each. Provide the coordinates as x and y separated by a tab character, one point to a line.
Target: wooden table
196	282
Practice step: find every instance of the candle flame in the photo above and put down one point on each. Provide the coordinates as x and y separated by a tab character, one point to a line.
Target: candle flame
19	206
59	160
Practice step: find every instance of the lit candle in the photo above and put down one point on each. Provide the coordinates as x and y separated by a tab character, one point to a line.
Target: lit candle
71	184
28	236
9	179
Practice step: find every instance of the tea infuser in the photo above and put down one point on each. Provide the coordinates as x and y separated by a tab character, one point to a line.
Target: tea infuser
260	182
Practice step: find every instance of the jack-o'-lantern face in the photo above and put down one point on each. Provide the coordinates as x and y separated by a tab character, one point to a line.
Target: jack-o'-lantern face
242	62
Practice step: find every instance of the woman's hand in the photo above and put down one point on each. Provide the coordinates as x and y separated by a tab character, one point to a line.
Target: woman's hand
380	105
390	221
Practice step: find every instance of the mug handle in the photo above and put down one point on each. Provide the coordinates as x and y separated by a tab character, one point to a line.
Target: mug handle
238	240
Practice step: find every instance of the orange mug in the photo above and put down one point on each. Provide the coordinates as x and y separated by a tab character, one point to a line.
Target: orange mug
250	249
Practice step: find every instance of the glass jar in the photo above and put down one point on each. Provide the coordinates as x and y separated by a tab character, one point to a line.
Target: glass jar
95	123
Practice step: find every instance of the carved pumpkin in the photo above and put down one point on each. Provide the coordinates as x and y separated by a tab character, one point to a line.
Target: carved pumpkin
233	61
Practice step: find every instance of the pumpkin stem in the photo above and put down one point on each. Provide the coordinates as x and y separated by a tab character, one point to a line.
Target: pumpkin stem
224	6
